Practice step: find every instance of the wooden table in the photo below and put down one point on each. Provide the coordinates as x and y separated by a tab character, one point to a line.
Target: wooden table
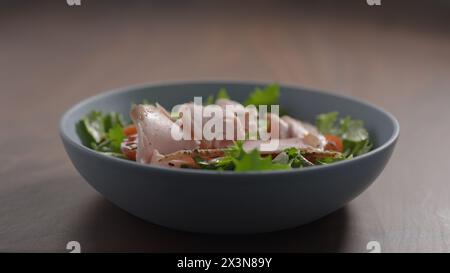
53	55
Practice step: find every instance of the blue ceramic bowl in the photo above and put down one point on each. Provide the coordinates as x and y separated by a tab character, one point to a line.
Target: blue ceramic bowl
228	202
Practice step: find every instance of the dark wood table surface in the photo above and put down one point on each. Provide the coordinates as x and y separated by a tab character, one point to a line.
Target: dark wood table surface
52	56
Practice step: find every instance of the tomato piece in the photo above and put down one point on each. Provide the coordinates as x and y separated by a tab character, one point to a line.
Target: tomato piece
130	130
334	143
129	148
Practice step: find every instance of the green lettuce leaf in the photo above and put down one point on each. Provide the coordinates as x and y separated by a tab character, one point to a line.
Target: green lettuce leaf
268	95
253	161
222	94
116	136
210	100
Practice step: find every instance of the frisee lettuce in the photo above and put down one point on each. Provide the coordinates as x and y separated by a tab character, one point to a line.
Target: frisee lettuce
102	132
237	159
326	123
268	95
354	135
221	94
294	158
253	161
115	136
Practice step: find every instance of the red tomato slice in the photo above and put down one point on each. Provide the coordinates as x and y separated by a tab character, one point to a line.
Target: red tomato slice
334	143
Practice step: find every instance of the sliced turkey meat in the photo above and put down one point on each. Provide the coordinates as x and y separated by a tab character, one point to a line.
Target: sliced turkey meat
305	131
154	132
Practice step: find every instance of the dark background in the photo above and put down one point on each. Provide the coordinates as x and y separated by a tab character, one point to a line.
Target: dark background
396	55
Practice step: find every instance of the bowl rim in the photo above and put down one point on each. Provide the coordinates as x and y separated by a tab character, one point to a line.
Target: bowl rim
125	89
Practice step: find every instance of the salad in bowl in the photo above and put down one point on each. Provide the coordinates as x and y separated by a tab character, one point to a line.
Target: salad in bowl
222	134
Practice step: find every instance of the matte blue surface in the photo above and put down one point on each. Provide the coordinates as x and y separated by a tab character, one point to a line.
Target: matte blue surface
228	202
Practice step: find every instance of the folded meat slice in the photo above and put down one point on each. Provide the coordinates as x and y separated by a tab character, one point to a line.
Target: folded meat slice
307	132
230	121
154	132
283	144
223	103
278	128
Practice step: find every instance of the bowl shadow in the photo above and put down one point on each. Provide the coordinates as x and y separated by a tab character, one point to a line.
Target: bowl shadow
103	227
